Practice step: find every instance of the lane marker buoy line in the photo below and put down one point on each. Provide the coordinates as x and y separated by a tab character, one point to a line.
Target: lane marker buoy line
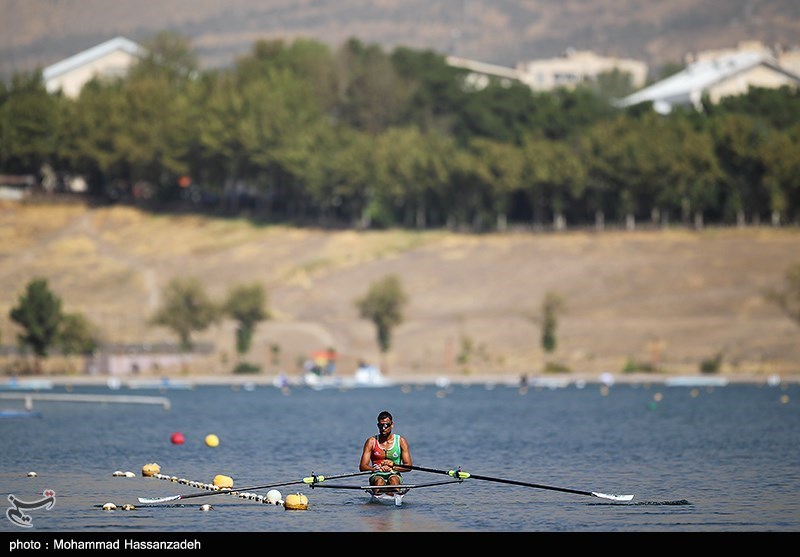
258	498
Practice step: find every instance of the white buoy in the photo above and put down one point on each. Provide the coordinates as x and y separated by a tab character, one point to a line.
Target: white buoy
32	474
130	474
118	473
274	496
206	507
109	507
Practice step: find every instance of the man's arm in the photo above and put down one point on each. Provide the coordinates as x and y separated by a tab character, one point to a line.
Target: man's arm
366	463
406	454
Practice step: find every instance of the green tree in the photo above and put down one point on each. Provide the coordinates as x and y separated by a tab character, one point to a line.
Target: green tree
787	298
186	308
372	96
77	335
30	125
552	305
246	303
38	312
383	305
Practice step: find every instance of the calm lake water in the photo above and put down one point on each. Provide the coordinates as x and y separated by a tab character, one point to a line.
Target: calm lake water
724	459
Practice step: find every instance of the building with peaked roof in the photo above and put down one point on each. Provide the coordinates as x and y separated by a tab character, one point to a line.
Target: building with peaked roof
715	77
575	67
110	59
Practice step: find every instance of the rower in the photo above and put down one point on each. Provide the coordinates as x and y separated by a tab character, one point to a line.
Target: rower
385	454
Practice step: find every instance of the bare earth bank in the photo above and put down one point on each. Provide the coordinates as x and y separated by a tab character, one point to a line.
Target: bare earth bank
664	299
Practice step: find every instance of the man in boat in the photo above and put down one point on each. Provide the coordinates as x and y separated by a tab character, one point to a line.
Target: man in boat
385	454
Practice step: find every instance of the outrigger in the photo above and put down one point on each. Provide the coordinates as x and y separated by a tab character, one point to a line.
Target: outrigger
387	494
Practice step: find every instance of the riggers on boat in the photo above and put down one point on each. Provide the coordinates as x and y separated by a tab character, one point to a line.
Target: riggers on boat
385	494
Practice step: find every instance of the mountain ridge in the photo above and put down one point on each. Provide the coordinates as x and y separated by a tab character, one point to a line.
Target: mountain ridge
37	33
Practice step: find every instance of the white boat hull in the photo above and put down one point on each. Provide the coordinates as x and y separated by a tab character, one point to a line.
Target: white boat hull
364	377
395	499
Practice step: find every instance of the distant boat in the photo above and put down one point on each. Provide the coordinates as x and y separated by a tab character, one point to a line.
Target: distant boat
163	383
549	382
11	413
695	381
365	376
15	384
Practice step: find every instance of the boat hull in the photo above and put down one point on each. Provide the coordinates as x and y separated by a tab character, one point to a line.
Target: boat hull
394	499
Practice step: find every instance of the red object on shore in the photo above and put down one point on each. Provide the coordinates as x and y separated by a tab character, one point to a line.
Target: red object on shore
177	438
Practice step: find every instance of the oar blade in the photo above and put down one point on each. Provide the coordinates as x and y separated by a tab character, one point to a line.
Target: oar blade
612	496
157	500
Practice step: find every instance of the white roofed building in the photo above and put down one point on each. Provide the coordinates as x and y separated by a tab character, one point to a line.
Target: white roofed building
716	75
110	59
576	67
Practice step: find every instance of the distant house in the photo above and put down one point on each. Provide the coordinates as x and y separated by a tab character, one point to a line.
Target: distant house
573	68
15	187
576	67
110	59
716	75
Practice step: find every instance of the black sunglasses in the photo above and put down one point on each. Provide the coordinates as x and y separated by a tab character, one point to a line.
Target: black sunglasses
384	426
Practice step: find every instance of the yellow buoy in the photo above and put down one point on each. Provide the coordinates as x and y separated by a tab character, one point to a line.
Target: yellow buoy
223	482
150	469
296	502
212	440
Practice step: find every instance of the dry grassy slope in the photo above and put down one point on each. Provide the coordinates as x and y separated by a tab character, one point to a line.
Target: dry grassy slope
691	294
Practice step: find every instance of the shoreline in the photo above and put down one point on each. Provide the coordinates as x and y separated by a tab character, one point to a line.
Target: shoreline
441	380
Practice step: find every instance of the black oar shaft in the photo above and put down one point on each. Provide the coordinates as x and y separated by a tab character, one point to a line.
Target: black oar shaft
525	484
455	474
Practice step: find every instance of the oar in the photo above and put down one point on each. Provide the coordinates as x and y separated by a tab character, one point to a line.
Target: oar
312	479
464	475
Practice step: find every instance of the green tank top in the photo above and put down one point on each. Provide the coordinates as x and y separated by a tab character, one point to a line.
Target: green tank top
393	453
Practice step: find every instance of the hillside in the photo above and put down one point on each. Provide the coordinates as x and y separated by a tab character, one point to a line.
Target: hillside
41	32
687	295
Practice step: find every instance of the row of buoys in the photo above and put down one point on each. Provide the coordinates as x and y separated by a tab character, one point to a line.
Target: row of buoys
177	438
113	507
221	481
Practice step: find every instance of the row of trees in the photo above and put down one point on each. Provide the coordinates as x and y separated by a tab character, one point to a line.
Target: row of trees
187	309
358	137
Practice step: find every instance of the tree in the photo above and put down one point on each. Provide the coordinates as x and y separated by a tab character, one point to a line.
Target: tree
552	305
39	314
186	308
383	305
246	303
77	335
788	297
